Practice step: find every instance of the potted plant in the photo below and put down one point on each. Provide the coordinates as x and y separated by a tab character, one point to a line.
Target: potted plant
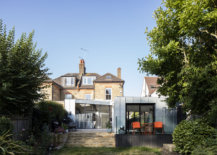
109	126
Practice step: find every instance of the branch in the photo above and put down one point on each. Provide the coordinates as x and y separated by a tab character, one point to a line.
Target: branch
185	56
207	32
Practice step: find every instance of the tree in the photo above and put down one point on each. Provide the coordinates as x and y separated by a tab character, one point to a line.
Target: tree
184	54
22	71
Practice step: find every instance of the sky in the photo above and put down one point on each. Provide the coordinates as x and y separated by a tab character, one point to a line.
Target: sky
107	34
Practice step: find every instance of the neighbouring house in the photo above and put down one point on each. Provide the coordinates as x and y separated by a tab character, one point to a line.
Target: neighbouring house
88	97
149	88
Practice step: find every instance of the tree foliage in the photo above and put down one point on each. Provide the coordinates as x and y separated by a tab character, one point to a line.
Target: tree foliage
184	53
22	70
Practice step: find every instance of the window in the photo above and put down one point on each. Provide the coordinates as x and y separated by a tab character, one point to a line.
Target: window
69	81
88	96
68	96
153	87
108	93
88	80
108	77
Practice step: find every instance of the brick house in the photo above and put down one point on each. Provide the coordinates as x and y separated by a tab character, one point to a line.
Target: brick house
88	97
84	85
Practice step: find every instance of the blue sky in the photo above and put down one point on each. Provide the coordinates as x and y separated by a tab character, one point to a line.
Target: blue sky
111	31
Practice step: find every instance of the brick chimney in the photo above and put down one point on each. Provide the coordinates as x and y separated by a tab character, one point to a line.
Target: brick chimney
82	68
119	73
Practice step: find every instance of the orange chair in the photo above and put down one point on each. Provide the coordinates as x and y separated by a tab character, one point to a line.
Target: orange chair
135	125
158	125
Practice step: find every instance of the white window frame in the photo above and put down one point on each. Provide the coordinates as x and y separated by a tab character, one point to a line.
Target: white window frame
85	80
67	97
69	81
106	94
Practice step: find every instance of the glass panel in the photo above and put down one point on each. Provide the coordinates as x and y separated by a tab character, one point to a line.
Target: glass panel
139	113
69	81
89	116
108	92
90	81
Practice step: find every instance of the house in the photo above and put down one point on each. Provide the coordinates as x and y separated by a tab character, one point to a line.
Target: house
88	97
149	87
84	85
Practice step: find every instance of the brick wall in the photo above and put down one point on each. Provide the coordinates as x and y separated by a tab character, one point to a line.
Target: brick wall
76	93
47	90
117	90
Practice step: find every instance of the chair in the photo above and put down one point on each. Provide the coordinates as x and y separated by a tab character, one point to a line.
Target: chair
158	125
135	125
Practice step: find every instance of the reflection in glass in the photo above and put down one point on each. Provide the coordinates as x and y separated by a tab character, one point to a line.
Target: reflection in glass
90	116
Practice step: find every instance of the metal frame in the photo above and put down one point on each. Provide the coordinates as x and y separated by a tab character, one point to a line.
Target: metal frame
139	104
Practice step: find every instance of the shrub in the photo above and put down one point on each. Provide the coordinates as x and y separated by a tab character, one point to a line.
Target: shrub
51	111
46	112
5	125
189	134
209	147
12	147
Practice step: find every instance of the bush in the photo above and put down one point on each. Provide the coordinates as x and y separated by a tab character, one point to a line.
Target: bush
5	125
190	134
12	147
47	112
209	147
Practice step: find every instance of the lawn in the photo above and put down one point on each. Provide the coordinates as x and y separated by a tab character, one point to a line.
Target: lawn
107	151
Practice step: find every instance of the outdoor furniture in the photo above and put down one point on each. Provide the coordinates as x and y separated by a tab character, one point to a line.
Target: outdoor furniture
158	125
147	128
136	126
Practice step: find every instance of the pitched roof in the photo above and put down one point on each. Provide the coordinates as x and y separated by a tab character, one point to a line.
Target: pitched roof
108	77
152	84
70	75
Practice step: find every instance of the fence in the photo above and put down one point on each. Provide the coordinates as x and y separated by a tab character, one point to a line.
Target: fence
22	125
126	140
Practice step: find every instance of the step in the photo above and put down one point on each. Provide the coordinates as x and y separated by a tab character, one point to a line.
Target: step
99	139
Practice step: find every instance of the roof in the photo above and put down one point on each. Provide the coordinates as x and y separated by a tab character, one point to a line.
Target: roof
152	84
108	77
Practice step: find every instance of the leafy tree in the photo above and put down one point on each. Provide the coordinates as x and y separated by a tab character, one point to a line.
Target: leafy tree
22	72
184	54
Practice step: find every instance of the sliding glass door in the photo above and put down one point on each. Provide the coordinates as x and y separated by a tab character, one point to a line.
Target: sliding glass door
143	113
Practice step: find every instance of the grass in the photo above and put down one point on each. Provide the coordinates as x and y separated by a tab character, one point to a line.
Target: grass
107	151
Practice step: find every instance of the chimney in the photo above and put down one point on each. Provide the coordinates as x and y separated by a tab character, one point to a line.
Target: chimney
119	73
82	68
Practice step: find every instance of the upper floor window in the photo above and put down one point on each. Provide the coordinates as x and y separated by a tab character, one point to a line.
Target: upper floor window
69	81
108	93
88	80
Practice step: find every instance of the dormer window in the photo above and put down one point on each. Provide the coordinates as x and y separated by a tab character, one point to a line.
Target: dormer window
88	80
108	77
69	81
